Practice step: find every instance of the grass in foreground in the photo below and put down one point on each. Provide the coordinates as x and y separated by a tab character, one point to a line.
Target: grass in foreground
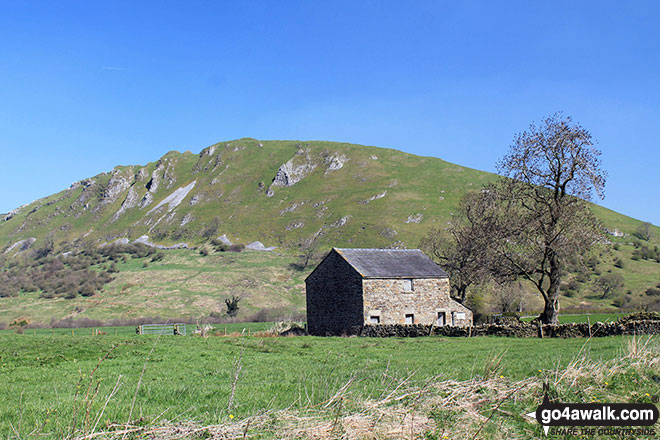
58	387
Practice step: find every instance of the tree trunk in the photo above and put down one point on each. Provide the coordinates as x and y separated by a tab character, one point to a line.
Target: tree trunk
550	313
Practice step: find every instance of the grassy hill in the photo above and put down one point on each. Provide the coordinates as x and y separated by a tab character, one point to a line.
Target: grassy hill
280	193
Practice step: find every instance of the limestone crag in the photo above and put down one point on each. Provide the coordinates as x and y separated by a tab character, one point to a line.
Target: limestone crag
335	162
131	201
174	199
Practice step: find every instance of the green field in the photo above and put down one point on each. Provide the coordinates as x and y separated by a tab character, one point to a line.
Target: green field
53	384
229	328
591	318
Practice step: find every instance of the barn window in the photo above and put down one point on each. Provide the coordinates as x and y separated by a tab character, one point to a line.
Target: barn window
374	319
455	316
408	285
410	318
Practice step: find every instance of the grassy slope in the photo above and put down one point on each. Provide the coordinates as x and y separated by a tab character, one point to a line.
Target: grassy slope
183	285
228	183
190	378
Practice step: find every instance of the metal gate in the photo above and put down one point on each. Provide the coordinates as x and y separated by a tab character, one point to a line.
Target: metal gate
162	329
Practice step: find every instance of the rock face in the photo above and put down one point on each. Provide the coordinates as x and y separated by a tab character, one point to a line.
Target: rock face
293	171
131	201
175	199
116	186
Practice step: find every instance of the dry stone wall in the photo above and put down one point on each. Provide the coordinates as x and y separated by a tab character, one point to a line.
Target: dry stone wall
598	329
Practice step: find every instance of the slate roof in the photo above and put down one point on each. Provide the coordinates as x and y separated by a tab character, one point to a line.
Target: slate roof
392	263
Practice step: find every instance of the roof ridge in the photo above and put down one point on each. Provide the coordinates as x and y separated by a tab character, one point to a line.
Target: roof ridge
377	249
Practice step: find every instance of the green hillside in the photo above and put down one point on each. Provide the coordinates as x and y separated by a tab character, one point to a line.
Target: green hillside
281	193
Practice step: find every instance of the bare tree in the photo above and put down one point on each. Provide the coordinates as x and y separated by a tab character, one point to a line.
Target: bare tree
232	305
461	249
211	229
537	218
643	231
609	284
509	297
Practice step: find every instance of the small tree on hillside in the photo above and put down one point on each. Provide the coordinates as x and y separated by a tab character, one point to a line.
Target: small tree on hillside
609	284
461	249
643	231
211	229
232	305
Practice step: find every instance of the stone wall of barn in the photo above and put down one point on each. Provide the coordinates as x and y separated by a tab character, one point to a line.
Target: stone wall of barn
334	297
423	301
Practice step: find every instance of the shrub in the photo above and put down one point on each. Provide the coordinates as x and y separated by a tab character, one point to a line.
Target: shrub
232	305
204	252
237	248
157	257
618	263
652	291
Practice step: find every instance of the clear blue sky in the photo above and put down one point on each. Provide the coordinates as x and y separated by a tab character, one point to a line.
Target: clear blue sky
88	85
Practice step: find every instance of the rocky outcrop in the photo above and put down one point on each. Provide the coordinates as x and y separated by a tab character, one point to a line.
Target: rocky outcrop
335	162
225	240
293	171
21	245
175	199
292	207
341	222
259	246
374	197
12	213
295	225
196	199
415	218
187	219
145	240
154	183
131	201
115	187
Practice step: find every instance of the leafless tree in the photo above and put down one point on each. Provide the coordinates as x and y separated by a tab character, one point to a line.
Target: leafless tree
609	284
509	297
462	248
643	231
537	217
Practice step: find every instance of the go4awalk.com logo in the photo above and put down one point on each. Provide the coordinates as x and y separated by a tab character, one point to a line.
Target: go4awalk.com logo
620	419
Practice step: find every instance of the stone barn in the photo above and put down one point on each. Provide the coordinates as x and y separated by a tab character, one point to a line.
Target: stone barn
354	287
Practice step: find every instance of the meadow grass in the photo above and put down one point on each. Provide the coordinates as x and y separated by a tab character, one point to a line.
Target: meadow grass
585	317
50	381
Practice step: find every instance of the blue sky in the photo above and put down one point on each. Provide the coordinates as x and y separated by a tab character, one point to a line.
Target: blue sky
85	86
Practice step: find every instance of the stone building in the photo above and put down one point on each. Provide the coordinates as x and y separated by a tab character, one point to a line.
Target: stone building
354	287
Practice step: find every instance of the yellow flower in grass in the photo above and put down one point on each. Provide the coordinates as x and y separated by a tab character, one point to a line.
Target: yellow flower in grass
231	416
606	383
647	395
501	377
